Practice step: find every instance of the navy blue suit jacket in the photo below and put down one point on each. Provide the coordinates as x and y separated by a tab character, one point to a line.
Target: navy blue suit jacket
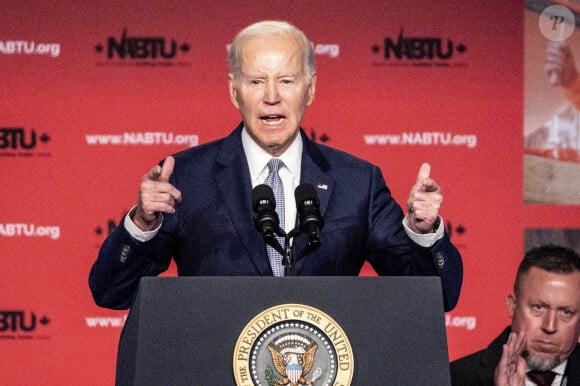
212	231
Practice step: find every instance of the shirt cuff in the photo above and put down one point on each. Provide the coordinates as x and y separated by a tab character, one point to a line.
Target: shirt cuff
425	240
137	233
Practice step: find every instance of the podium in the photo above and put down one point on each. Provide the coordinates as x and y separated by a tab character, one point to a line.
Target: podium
195	330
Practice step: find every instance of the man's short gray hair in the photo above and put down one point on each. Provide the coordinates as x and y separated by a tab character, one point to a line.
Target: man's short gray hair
271	28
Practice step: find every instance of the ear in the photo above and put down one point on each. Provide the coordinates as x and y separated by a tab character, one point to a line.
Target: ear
510	302
311	90
233	91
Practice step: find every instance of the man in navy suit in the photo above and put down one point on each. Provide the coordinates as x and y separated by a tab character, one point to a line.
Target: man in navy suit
197	207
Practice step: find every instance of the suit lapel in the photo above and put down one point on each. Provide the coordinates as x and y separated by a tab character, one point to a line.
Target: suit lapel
572	373
233	181
314	172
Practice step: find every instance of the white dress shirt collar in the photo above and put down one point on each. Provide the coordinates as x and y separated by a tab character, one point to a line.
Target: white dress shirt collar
258	158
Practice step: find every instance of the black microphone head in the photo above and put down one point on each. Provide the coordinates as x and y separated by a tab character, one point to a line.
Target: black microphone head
311	222
264	204
307	203
305	192
263	194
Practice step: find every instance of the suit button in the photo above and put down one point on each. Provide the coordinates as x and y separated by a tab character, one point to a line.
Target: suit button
440	260
124	252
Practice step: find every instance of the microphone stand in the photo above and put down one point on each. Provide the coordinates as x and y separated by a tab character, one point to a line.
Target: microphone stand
285	251
288	258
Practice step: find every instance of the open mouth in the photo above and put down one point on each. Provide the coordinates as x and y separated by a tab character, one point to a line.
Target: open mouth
273	119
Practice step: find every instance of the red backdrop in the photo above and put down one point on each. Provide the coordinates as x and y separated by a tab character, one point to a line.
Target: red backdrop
93	95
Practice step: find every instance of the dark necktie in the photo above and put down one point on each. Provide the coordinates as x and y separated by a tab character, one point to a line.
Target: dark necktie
542	378
275	182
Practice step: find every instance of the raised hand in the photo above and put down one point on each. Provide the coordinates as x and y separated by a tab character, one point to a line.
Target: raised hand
559	65
156	195
424	202
511	370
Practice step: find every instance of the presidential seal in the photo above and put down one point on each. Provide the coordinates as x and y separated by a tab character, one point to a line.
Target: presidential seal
295	345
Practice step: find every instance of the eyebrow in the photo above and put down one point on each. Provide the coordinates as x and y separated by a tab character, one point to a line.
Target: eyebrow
253	76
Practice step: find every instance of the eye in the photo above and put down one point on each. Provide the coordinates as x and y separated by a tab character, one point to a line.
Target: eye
567	312
255	81
287	81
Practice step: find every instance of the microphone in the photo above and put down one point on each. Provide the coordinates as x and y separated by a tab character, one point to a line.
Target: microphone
264	205
311	221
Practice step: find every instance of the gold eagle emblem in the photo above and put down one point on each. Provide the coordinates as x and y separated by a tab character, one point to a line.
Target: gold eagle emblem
293	365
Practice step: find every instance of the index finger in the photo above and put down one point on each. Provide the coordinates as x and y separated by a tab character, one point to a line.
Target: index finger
424	172
167	169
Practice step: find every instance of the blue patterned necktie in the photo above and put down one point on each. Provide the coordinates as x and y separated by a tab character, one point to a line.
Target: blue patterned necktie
275	182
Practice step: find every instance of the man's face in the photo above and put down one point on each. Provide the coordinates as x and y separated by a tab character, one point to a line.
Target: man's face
272	91
548	312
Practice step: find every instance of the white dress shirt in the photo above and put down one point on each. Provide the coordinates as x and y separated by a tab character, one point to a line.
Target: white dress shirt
258	160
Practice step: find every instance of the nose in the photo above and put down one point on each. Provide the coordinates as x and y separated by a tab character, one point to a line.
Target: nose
550	322
271	93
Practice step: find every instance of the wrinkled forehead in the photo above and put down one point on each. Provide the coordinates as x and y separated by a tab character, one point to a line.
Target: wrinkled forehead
271	52
285	44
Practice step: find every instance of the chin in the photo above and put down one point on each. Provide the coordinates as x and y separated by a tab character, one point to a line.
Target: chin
543	361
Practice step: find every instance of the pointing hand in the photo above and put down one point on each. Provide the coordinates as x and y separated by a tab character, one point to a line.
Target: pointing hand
156	195
424	202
